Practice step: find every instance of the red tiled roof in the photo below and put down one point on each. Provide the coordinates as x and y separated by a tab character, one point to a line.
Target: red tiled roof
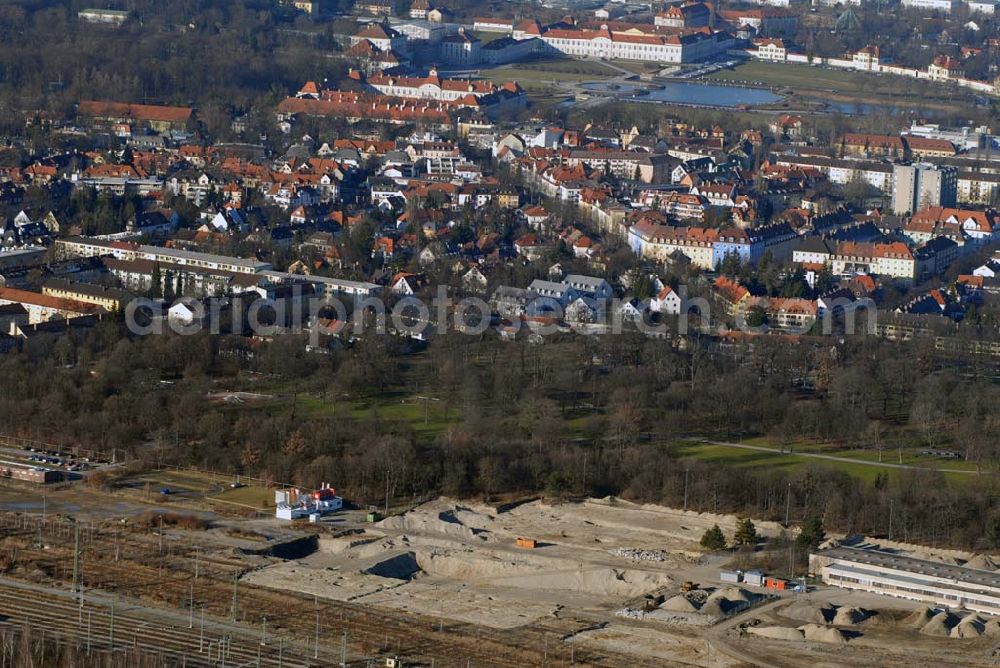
357	105
730	290
140	112
927	144
46	301
378	31
949	63
970	280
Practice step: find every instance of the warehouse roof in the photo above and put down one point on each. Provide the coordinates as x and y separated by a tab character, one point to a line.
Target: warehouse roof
868	557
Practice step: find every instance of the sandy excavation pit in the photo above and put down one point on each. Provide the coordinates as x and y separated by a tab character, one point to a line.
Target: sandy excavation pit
461	562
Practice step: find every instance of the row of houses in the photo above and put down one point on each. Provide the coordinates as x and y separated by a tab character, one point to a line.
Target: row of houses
868	59
706	248
201	274
971	186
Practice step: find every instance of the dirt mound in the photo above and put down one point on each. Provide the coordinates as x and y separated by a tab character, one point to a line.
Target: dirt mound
679	603
940	625
814	613
848	616
918	618
777	632
714	608
737	594
971	626
400	567
820	633
475	519
992	628
726	602
352	544
985	562
444	519
599	581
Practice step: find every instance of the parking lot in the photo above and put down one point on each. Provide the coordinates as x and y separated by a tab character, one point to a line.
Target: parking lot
45	457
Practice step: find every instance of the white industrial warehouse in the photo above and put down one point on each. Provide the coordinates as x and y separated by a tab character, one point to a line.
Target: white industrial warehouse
891	574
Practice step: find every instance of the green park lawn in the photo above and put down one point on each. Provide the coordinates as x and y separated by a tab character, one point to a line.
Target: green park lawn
866	467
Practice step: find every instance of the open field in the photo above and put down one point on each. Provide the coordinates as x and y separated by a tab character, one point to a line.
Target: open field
638	66
801	77
544	74
180	484
899	449
487	37
818	84
248	496
427	417
865	465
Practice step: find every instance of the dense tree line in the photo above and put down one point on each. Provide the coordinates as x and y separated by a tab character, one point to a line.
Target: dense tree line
224	58
570	417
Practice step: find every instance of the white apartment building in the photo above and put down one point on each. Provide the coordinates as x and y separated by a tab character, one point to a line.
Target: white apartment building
945	6
921	185
984	7
659	242
842	172
92	247
867	59
894	260
460	49
977	188
422	31
608	45
772	49
433	87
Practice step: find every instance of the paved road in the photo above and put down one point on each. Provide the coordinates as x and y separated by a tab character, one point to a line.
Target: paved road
832	458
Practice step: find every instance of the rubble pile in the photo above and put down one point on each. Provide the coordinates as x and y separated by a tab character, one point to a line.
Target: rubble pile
635	554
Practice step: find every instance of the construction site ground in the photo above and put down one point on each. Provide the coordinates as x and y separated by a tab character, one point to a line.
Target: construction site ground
443	584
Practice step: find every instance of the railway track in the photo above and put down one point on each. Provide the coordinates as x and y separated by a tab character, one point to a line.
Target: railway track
100	628
158	580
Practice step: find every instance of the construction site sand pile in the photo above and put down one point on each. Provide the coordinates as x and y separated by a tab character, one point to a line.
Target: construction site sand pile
462	565
444	519
737	594
713	608
475	518
918	618
992	628
718	605
679	603
399	567
821	633
846	616
534	573
821	613
940	625
971	626
985	562
357	546
948	559
777	632
598	581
